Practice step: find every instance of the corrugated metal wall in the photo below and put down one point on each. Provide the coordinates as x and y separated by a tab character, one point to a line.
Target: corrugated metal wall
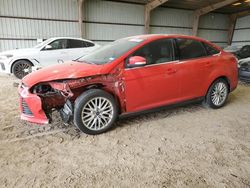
165	20
242	31
23	21
109	20
214	27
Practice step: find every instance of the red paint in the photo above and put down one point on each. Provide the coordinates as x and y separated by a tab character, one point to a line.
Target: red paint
67	70
151	86
135	89
137	60
35	106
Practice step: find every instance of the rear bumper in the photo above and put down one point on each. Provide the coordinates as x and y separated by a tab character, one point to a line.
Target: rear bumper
31	107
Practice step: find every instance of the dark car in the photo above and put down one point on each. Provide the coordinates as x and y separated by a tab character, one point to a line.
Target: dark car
240	52
244	71
244	52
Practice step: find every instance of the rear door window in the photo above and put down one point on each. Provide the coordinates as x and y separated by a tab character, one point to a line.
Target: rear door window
210	50
190	49
89	44
72	43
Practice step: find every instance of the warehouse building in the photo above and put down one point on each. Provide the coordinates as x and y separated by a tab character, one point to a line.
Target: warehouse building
144	111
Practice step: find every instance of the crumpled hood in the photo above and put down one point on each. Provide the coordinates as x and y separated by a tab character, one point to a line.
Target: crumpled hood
19	52
69	70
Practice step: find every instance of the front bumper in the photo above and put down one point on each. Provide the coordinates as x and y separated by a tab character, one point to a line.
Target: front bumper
31	107
5	65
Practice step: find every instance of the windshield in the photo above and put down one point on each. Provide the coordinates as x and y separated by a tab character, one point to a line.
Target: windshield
111	51
42	43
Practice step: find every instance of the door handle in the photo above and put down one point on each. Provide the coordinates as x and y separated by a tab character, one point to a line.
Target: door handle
171	71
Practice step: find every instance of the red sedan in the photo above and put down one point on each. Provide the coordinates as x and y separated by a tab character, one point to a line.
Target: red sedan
129	75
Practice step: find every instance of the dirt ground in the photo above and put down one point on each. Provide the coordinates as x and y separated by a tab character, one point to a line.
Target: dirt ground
190	146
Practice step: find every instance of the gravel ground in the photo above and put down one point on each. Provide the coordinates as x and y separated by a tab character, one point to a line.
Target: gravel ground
190	146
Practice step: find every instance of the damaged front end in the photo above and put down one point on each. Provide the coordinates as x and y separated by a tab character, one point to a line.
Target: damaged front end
38	102
55	95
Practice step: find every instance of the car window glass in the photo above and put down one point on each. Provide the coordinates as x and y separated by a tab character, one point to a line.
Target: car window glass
58	44
210	50
156	52
72	43
189	49
111	51
89	44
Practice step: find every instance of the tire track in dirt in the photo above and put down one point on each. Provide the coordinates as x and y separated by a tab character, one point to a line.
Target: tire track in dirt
22	130
25	131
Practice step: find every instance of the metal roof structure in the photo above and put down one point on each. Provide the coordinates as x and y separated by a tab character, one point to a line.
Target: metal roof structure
236	7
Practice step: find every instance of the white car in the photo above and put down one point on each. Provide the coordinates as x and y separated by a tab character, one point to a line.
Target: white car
52	51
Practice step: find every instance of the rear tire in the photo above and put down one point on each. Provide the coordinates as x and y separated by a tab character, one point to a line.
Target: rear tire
21	68
217	94
95	111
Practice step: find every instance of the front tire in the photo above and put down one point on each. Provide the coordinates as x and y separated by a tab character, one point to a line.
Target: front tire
95	111
21	68
217	94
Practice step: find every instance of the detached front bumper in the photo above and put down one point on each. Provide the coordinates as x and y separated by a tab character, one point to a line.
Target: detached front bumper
31	107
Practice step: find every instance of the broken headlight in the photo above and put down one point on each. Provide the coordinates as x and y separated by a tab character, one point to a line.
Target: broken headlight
42	89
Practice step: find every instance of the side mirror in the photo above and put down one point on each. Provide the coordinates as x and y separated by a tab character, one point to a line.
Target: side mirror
48	47
136	61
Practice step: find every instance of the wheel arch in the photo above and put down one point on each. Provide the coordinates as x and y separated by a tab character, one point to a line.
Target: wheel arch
106	89
25	59
220	77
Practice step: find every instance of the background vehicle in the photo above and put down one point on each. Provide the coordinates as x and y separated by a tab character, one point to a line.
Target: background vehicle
244	70
232	48
127	76
241	52
243	55
52	51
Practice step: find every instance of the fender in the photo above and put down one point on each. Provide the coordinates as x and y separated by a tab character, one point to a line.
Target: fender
225	71
34	62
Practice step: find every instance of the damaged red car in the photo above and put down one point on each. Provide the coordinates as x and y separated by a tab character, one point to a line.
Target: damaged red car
130	75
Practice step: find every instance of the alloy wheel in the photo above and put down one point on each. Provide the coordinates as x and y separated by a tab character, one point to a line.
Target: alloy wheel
22	69
97	113
219	93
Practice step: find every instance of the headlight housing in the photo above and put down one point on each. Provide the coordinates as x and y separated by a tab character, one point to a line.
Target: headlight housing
42	89
6	56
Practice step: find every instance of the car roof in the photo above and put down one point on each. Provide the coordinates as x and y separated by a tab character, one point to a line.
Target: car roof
155	36
159	36
75	38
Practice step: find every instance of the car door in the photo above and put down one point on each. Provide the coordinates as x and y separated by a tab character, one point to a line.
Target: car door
194	67
154	84
53	53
